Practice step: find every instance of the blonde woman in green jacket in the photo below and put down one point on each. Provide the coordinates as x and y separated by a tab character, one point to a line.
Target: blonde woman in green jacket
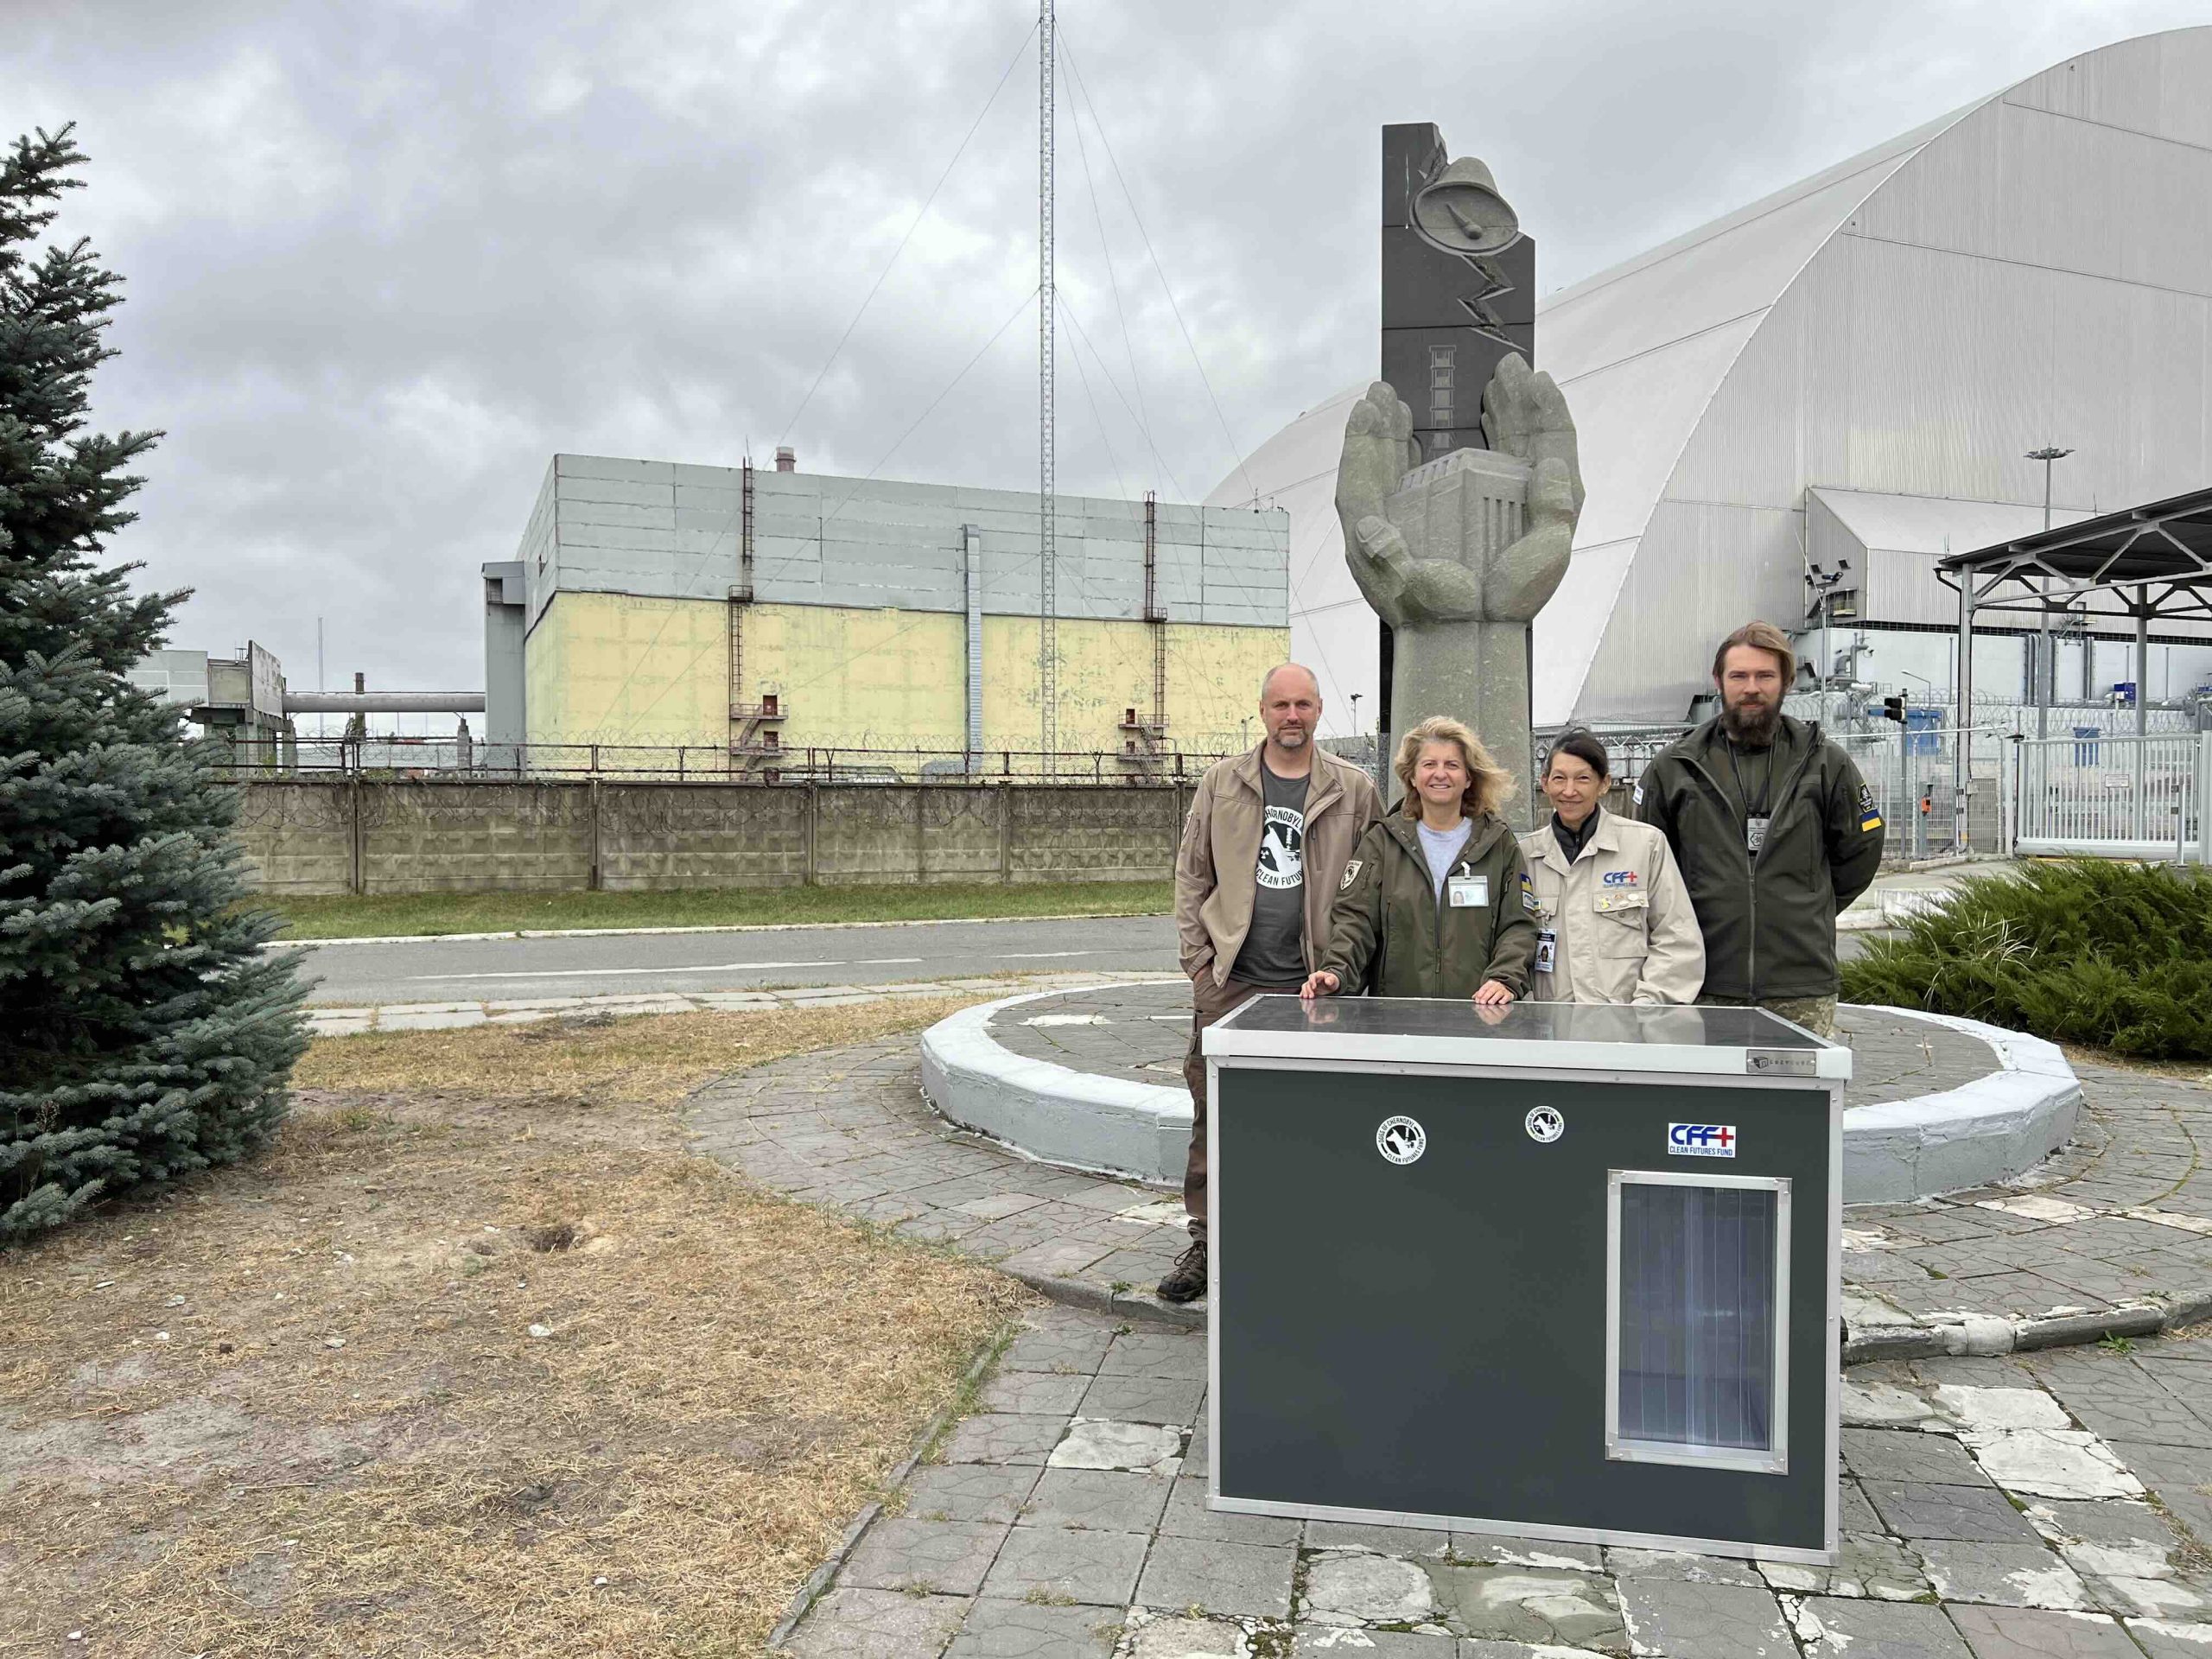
1436	900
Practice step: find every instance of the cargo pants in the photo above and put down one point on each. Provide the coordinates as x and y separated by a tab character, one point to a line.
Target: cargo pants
1209	1002
1816	1013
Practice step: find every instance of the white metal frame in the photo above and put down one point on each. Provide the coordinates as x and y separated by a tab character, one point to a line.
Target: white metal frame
1774	1459
1507	1056
1833	1363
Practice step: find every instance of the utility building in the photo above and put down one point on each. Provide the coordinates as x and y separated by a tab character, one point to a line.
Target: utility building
760	614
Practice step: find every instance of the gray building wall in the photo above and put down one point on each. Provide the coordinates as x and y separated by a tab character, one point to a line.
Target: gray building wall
505	688
670	529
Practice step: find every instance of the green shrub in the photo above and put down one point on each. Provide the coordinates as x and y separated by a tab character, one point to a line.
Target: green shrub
2106	955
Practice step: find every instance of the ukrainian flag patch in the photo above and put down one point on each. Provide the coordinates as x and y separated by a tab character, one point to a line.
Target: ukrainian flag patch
1870	822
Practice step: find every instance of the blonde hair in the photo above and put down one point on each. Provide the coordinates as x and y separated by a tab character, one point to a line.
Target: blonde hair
1488	784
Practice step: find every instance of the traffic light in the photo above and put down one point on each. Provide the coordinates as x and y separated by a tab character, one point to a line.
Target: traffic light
1893	709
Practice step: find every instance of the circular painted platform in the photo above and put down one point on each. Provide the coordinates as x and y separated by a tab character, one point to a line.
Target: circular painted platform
1093	1077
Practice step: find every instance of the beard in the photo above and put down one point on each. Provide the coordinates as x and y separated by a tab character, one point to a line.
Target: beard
1290	737
1751	723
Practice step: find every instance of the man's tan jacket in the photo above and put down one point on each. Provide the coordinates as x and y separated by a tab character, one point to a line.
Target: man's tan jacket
1217	865
1620	917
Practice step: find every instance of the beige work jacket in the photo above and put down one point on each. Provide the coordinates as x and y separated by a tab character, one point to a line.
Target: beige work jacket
1621	927
1215	883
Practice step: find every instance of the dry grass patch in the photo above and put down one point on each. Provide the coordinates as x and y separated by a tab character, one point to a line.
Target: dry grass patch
655	1059
299	1408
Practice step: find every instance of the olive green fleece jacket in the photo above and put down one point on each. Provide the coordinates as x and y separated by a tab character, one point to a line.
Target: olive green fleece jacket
1769	922
1392	934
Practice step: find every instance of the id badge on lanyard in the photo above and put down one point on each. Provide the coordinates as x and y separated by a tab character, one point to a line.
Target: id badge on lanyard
1466	892
1548	951
1755	832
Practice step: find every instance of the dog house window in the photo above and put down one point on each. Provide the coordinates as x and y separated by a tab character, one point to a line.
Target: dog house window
1697	1315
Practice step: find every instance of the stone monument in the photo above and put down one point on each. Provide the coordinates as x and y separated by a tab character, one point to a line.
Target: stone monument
1457	551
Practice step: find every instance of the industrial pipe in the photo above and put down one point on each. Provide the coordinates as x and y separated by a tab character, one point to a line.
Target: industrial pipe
384	702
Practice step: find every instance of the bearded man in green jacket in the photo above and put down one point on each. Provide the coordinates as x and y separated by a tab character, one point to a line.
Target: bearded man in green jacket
1775	831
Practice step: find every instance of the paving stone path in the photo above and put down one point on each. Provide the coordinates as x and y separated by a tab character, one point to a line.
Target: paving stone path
2028	1504
849	1127
2019	1507
2114	1234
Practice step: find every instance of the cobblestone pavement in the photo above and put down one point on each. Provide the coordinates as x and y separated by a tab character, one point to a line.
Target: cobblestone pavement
849	1127
2114	1234
2031	1506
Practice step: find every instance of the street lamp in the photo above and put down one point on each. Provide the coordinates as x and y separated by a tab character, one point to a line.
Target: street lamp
2046	679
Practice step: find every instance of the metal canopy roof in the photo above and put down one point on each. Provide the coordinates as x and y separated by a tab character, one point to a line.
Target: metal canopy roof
2152	561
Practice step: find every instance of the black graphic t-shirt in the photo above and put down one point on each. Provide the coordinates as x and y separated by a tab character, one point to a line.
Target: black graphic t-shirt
1273	952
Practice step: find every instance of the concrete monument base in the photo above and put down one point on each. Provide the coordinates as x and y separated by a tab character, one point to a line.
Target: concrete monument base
1092	1079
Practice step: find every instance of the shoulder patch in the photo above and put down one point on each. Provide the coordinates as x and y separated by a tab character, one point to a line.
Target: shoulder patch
1352	869
1866	798
1528	891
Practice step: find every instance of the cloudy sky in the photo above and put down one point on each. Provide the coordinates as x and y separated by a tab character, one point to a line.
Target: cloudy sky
384	260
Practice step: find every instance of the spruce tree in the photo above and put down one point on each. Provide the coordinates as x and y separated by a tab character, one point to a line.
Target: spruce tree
144	1032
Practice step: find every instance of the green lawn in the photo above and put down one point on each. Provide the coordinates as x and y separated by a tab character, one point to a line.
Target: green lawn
344	917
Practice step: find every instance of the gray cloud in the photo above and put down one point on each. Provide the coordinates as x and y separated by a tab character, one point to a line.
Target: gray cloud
383	261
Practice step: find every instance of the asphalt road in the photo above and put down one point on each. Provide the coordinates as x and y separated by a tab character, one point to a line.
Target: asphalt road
497	970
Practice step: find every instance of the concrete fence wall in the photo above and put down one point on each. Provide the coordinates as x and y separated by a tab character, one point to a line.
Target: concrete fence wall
355	836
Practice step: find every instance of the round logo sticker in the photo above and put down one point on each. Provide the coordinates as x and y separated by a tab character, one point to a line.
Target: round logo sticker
1400	1140
1544	1125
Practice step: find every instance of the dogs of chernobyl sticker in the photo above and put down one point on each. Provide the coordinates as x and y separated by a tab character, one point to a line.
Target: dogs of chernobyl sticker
1400	1140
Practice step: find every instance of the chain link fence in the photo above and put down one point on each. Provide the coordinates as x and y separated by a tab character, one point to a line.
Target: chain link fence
462	759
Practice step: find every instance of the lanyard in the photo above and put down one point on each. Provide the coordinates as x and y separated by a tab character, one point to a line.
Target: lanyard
1766	784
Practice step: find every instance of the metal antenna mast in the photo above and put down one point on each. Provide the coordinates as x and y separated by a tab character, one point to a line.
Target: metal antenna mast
1048	655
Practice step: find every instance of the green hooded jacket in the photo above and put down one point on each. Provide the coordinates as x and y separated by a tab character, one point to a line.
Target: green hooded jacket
1769	922
1391	933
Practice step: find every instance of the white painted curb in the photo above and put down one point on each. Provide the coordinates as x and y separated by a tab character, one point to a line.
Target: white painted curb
1054	1112
1982	1133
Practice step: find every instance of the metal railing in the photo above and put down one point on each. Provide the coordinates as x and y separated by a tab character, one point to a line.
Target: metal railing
2114	795
460	760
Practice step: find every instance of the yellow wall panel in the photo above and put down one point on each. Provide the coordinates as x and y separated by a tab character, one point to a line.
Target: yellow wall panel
1213	682
858	679
614	668
609	668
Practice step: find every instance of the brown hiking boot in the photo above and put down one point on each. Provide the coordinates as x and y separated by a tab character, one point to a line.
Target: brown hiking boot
1187	1280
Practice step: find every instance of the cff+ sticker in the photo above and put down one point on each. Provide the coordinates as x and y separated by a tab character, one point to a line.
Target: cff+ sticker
1701	1140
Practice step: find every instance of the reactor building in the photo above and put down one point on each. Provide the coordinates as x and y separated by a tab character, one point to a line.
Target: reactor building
772	617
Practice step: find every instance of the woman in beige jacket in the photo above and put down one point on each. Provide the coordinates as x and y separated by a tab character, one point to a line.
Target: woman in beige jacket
1614	918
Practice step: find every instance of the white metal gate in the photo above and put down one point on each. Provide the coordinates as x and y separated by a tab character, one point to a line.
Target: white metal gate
2114	796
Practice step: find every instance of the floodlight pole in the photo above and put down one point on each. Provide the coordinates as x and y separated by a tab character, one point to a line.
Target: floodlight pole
2046	676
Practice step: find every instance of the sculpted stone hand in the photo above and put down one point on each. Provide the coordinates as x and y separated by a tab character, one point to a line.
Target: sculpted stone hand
1459	555
1418	555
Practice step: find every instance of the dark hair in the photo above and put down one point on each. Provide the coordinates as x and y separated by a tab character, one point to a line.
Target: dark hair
1583	747
1760	636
